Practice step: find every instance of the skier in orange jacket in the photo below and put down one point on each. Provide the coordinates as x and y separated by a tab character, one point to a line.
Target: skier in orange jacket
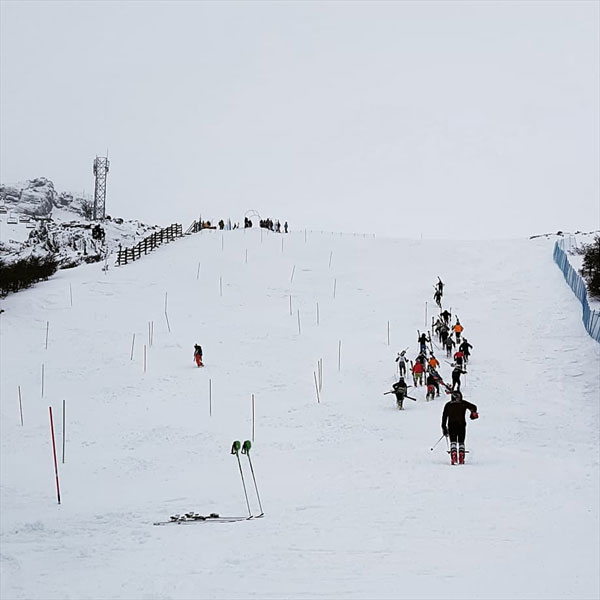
458	329
434	363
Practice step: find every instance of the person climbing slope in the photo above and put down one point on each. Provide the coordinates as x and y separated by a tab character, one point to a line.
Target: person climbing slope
400	390
457	328
456	373
454	425
465	348
198	355
417	372
402	360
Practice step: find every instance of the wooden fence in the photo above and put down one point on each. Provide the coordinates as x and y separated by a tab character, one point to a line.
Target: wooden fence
168	234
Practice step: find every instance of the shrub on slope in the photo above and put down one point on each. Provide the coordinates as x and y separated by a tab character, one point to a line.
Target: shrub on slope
25	272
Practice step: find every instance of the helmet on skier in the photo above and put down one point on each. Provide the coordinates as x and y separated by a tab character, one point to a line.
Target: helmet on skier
456	396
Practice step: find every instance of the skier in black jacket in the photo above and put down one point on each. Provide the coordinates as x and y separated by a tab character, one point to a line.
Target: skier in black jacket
465	348
423	339
400	390
446	316
456	373
454	424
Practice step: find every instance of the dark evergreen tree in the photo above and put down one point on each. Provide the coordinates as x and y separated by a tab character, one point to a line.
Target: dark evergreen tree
591	267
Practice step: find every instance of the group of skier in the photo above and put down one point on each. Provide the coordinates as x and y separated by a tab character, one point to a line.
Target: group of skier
426	367
268	224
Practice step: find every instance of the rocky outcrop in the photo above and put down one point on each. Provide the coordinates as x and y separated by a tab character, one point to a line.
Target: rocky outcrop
67	232
37	198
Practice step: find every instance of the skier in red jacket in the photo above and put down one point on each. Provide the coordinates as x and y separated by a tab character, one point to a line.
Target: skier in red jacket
417	371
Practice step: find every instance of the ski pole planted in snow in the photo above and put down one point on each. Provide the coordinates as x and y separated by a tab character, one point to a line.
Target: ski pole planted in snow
132	344
54	454
63	433
235	449
47	327
166	315
20	405
246	450
320	366
317	388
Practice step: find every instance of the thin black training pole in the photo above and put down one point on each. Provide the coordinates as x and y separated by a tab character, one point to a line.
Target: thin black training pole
246	450
443	436
235	448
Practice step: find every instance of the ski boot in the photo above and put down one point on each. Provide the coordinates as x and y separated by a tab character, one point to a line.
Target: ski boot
461	455
453	454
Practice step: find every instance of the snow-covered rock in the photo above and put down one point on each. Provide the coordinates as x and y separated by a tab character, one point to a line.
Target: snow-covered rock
35	197
37	220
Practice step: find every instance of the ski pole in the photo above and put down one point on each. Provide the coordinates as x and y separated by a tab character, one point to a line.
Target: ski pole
443	436
246	450
235	449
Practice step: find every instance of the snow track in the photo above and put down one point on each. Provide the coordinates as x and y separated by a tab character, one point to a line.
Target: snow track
357	506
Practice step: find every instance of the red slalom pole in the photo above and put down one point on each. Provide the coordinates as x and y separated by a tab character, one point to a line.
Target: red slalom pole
54	453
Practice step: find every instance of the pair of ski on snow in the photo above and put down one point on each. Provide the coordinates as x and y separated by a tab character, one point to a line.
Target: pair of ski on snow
193	517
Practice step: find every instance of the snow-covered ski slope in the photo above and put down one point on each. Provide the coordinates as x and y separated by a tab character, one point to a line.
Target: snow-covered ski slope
357	506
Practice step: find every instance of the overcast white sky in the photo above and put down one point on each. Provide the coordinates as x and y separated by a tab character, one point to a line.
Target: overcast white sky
454	119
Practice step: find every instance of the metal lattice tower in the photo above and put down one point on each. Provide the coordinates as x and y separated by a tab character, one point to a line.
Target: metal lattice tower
100	171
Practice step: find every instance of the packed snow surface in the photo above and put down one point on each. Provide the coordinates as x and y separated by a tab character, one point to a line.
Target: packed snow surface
356	504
